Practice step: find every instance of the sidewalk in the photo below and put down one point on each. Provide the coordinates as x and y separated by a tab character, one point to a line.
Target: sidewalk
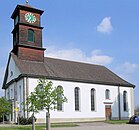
92	126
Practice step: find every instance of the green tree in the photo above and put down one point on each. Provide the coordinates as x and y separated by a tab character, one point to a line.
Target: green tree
136	110
46	97
32	106
5	107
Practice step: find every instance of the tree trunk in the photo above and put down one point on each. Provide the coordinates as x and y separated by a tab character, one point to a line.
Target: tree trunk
33	122
3	118
47	121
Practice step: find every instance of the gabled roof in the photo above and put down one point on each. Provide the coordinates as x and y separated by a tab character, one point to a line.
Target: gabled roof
69	71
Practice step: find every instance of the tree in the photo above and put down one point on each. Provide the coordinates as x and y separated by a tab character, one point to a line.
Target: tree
46	96
137	110
32	106
5	107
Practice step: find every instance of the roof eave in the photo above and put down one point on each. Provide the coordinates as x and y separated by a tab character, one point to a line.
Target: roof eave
72	80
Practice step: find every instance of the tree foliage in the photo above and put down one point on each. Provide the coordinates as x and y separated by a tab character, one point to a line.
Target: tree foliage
5	107
137	110
45	96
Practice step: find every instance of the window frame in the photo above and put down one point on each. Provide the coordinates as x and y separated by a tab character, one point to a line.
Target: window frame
59	104
93	99
107	94
125	107
31	35
77	98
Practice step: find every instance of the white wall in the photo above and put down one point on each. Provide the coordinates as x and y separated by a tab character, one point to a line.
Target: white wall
14	69
15	93
20	100
127	113
85	111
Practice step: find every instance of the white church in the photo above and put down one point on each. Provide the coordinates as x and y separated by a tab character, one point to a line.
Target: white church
94	92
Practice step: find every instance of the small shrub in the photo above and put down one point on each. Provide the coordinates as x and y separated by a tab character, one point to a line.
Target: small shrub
25	121
30	120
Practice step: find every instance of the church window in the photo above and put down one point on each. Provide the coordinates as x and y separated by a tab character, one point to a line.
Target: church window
93	99
125	100
77	99
11	74
11	93
59	103
107	94
8	95
31	35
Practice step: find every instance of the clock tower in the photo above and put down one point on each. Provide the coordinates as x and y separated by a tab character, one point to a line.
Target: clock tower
27	33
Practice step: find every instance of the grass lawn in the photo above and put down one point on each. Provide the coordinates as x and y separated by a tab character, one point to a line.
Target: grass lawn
38	127
117	121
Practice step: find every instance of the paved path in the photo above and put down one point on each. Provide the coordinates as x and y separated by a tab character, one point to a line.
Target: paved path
97	126
101	126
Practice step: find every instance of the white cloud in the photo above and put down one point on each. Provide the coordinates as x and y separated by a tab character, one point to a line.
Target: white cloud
78	55
128	70
105	26
98	58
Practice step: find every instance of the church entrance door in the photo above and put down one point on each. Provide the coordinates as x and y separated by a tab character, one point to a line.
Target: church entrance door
108	112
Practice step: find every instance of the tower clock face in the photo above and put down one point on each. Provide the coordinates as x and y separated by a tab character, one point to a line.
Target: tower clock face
30	18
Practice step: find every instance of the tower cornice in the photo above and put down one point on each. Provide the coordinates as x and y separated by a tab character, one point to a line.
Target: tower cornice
25	24
26	8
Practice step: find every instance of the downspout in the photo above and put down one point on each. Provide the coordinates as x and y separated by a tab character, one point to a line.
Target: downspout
24	97
15	99
119	103
25	93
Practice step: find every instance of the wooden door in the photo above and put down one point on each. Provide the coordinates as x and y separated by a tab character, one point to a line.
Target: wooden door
108	112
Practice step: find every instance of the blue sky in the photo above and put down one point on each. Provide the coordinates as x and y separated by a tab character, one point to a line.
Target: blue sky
96	31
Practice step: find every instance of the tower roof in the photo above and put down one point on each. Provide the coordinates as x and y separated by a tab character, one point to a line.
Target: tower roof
26	7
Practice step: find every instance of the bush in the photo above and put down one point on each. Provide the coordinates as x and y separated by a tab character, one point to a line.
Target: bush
25	121
30	120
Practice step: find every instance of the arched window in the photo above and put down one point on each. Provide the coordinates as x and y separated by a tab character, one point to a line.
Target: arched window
93	99
59	103
31	35
107	94
11	93
77	98
125	100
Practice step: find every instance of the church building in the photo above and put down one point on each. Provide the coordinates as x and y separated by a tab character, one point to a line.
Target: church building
94	92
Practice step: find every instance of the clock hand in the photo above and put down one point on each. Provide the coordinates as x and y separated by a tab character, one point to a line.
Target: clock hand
30	17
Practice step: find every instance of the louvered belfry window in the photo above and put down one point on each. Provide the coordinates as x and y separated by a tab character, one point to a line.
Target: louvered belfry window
31	37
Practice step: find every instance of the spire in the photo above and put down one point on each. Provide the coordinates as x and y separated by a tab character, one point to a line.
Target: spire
27	2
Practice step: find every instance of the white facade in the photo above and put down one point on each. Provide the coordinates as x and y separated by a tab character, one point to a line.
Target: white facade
18	91
68	113
13	71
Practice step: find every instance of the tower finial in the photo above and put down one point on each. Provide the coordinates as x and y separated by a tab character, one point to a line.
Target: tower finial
26	1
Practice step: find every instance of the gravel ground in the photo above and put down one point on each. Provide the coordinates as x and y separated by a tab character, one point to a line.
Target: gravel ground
101	126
